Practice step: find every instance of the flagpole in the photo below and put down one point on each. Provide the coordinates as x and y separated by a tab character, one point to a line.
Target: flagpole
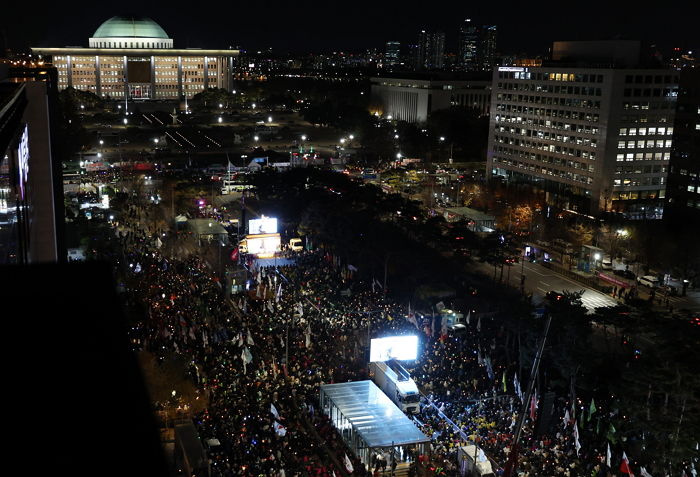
512	460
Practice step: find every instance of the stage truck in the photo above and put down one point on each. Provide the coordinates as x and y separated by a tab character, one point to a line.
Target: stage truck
397	384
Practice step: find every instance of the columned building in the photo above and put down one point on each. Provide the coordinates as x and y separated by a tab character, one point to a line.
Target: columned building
133	58
413	98
593	138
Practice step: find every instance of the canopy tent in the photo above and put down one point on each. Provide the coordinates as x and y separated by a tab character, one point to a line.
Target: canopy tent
367	419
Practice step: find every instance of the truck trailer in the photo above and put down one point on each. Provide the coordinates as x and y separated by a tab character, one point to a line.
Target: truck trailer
397	384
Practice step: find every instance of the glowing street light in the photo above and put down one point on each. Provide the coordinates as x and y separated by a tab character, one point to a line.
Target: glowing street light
303	137
155	139
220	119
253	105
351	137
398	155
125	121
221	105
342	140
269	119
256	138
101	142
442	138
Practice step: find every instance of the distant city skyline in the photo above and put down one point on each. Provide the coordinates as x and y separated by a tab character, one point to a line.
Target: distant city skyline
307	27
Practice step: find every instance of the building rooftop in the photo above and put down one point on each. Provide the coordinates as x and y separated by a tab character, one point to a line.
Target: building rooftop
130	27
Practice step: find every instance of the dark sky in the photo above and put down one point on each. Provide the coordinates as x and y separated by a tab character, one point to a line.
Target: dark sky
523	27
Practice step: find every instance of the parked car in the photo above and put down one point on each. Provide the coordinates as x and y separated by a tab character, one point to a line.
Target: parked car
625	274
649	281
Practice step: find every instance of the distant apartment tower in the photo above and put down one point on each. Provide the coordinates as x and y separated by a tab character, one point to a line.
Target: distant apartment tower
476	48
593	138
431	50
683	189
392	53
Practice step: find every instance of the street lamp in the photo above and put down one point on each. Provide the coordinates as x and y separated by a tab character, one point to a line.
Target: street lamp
220	119
125	120
303	137
155	139
101	142
269	119
342	140
256	138
398	155
351	137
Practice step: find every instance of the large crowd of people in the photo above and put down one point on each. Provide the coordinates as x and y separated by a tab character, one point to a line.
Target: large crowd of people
260	357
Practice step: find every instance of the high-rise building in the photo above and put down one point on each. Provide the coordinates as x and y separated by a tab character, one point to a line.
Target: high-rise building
594	138
476	46
467	47
134	58
431	50
31	193
392	53
683	189
487	48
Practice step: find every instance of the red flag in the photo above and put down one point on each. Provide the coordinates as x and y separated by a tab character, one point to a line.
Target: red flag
625	465
533	407
234	255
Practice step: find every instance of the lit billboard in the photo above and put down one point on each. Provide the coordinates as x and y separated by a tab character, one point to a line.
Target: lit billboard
263	225
397	347
264	245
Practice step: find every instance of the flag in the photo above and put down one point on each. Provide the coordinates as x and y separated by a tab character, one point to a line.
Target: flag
443	325
576	442
308	335
505	388
348	464
274	412
567	418
280	429
352	268
608	456
478	325
516	387
591	409
611	434
643	472
432	326
533	406
625	465
469	316
234	255
246	355
249	338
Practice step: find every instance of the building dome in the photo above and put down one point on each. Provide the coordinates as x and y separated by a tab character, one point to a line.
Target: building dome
130	27
130	32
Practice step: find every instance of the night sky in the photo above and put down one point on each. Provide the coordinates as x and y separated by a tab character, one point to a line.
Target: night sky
313	26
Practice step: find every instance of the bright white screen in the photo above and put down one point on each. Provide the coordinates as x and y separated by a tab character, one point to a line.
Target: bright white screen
267	225
398	347
264	246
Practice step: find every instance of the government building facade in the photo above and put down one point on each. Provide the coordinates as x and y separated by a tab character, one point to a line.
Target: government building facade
133	58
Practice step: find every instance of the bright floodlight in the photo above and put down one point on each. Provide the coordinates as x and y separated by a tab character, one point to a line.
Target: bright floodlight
398	155
155	139
256	138
101	142
303	137
442	138
253	105
220	119
596	256
389	117
398	347
269	119
342	140
351	137
125	120
221	105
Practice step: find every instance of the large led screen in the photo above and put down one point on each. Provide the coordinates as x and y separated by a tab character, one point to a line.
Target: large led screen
398	347
264	225
264	246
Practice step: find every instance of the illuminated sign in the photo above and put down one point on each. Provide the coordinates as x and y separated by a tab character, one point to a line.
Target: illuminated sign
511	68
23	160
264	246
264	225
398	347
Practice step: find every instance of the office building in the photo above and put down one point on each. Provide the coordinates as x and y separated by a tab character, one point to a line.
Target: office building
31	195
683	189
593	138
431	50
476	47
133	58
392	54
414	97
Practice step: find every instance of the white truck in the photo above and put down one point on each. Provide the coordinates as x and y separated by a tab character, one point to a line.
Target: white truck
397	384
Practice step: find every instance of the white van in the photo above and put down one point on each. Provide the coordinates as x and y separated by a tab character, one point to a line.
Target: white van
296	245
649	281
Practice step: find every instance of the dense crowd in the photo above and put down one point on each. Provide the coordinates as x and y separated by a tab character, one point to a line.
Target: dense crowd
260	358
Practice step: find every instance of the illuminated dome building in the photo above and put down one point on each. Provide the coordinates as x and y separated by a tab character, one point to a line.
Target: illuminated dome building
133	58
